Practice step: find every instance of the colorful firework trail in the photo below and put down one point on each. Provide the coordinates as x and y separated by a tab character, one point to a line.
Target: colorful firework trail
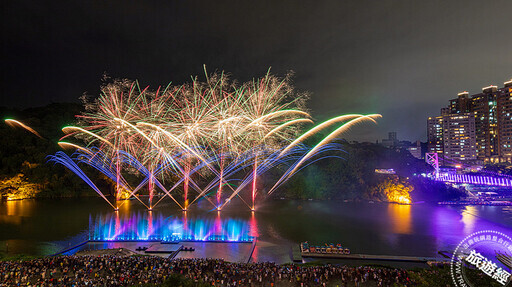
213	138
15	123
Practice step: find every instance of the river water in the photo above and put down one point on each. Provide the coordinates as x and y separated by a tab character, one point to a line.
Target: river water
40	227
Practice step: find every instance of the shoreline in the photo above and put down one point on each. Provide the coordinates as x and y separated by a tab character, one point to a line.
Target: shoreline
440	203
120	268
133	248
319	260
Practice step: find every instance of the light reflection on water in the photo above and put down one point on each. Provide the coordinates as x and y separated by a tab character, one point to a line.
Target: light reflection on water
469	215
400	215
21	208
45	226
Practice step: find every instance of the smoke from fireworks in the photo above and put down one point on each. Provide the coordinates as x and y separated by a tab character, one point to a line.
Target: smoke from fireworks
215	131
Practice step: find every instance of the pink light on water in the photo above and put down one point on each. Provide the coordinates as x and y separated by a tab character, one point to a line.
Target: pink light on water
152	226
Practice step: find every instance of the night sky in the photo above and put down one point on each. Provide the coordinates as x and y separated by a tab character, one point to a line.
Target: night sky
403	59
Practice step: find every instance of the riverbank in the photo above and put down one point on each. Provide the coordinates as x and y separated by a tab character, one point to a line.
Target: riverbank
18	188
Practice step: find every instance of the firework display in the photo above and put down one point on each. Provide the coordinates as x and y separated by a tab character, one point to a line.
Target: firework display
207	140
15	123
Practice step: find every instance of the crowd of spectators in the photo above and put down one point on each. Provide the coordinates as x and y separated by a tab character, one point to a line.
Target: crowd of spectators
108	270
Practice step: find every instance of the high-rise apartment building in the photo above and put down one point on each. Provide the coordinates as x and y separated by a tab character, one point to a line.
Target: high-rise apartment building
462	104
474	127
452	135
484	106
504	103
459	137
435	134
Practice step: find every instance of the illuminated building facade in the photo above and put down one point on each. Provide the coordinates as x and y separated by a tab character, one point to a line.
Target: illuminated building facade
504	102
459	137
484	106
435	134
462	104
486	137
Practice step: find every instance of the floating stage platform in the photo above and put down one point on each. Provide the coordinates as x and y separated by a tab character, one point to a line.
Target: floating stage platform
232	251
162	248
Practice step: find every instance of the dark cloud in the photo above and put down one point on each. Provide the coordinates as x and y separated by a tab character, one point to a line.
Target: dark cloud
404	59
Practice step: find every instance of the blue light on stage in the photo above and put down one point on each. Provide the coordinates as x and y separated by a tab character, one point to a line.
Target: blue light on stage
150	227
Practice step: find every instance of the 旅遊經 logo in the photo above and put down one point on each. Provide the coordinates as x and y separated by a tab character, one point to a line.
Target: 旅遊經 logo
486	251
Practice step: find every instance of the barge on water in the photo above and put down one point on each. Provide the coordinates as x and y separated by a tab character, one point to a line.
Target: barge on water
307	249
331	251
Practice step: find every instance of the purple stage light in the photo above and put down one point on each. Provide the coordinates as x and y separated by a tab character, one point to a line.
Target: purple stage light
150	227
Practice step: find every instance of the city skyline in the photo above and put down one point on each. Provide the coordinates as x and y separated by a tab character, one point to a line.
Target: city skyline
474	127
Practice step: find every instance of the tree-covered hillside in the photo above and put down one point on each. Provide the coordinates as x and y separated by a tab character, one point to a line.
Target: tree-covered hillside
345	174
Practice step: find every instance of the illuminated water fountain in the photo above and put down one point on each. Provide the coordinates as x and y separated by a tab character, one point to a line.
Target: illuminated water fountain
152	227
